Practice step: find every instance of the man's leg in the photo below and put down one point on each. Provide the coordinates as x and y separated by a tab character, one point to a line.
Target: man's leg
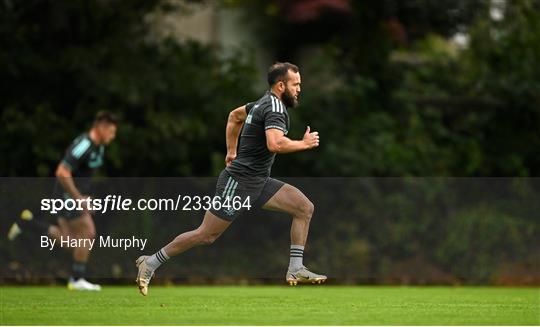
291	200
27	221
209	230
82	227
62	229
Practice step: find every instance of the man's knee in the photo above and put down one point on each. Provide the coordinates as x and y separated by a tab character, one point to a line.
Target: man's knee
306	209
206	238
209	239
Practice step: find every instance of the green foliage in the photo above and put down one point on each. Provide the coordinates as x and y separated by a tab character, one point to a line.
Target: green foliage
427	108
67	61
501	66
383	107
478	240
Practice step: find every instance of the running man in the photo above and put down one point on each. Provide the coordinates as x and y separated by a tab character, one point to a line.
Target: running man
80	162
258	131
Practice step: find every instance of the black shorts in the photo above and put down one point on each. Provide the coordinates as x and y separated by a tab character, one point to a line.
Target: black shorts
59	193
66	213
241	191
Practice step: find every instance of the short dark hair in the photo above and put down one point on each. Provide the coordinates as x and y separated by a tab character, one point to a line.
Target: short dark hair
278	72
105	117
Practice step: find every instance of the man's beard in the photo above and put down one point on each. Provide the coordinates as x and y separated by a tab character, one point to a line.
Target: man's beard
289	100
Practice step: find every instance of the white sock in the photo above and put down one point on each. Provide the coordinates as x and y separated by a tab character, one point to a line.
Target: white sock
296	256
156	259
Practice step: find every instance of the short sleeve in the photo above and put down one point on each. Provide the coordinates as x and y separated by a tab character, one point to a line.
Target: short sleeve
275	120
249	106
76	153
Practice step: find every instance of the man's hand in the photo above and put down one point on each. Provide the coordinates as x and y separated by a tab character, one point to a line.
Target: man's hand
229	158
311	139
277	142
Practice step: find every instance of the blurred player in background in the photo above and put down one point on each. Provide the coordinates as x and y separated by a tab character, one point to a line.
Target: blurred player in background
255	132
80	162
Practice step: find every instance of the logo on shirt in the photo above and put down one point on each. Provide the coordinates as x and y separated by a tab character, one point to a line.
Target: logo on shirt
96	160
229	212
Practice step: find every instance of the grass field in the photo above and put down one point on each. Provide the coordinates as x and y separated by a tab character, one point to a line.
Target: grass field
272	305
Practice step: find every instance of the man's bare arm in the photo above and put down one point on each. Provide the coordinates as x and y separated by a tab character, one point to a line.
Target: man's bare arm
63	174
277	142
232	132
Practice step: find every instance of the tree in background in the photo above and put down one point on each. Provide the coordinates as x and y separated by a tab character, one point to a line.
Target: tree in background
393	95
63	61
388	91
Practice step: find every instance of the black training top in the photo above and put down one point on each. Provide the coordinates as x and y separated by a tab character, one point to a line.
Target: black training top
253	158
83	157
